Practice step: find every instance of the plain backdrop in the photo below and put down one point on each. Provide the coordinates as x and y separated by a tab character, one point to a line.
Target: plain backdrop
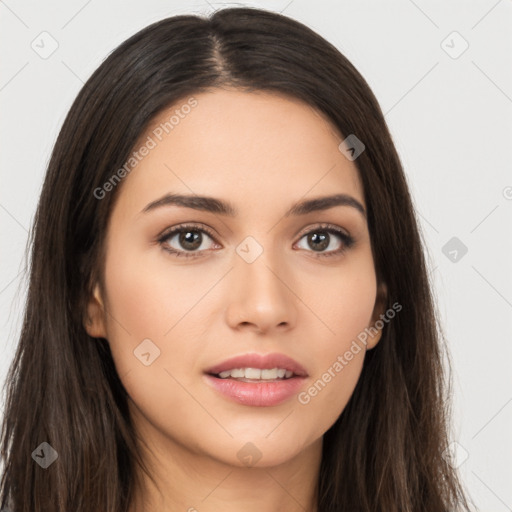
442	73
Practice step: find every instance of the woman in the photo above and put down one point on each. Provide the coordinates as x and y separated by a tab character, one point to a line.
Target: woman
229	306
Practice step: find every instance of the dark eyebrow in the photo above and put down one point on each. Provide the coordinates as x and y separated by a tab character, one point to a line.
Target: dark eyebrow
213	205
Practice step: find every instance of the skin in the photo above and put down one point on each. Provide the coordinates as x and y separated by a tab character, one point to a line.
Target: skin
263	152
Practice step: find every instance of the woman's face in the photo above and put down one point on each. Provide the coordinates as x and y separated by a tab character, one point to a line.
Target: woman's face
258	280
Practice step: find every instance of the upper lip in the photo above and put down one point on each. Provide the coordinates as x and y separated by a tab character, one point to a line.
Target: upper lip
262	361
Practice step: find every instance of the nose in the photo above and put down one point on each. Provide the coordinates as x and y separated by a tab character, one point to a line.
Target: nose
261	297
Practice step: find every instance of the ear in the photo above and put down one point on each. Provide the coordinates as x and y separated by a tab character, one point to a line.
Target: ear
379	309
94	322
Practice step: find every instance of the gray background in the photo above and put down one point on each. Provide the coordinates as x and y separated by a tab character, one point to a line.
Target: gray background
450	113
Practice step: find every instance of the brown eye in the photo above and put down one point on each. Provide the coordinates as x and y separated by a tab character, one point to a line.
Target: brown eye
188	241
322	238
319	242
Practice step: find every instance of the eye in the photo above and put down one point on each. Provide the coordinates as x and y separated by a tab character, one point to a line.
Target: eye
321	238
189	240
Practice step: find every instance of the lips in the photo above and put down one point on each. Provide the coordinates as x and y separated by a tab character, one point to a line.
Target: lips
263	362
257	393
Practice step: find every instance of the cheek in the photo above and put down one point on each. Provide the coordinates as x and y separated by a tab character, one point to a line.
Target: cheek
149	298
337	361
345	304
146	294
343	301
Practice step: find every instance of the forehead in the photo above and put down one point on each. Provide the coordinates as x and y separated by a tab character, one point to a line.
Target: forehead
256	149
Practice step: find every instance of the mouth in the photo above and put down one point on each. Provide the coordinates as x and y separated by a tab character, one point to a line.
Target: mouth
257	380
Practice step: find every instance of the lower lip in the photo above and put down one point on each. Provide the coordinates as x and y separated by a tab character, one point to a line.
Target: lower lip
257	394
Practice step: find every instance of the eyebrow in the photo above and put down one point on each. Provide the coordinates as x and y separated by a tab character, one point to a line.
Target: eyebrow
213	205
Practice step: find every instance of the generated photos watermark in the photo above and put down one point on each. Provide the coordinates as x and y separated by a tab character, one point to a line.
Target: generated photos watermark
341	361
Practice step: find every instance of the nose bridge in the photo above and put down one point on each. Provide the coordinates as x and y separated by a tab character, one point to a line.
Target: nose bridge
261	294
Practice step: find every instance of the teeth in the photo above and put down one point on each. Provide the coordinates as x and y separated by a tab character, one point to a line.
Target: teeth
269	374
256	373
252	373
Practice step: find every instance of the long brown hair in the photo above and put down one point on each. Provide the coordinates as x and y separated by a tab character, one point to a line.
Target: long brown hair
385	451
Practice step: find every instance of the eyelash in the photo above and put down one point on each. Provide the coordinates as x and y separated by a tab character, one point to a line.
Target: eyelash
347	240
